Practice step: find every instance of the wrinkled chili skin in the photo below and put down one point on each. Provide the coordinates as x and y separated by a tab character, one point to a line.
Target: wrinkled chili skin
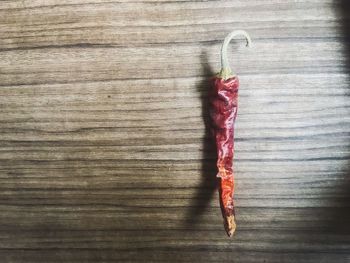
223	110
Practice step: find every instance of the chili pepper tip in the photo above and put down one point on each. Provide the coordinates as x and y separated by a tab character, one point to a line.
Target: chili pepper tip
230	225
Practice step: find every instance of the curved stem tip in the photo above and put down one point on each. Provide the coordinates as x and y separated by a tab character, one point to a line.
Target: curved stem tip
225	67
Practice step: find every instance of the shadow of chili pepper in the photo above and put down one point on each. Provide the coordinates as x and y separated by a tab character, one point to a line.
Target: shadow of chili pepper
208	169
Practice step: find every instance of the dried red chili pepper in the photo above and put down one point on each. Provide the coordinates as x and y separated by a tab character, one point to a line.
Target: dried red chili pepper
223	110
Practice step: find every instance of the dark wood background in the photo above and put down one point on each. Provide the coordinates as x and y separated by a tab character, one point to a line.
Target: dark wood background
104	155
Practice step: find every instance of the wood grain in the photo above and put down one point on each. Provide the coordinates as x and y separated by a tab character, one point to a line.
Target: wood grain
104	153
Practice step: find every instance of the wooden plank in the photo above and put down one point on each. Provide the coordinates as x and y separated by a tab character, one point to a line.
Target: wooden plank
104	152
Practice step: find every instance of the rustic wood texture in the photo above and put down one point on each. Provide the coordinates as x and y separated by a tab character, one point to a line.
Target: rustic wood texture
104	154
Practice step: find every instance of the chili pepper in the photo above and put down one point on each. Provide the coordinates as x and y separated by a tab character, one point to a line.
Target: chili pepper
223	110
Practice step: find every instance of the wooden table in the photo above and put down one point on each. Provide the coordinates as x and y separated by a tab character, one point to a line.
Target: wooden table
104	154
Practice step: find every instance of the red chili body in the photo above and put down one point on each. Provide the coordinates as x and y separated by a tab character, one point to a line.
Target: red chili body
223	110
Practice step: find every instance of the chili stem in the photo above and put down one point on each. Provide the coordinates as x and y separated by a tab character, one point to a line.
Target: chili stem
226	71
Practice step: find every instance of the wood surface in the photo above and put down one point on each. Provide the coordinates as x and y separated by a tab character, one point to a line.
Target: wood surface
104	152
